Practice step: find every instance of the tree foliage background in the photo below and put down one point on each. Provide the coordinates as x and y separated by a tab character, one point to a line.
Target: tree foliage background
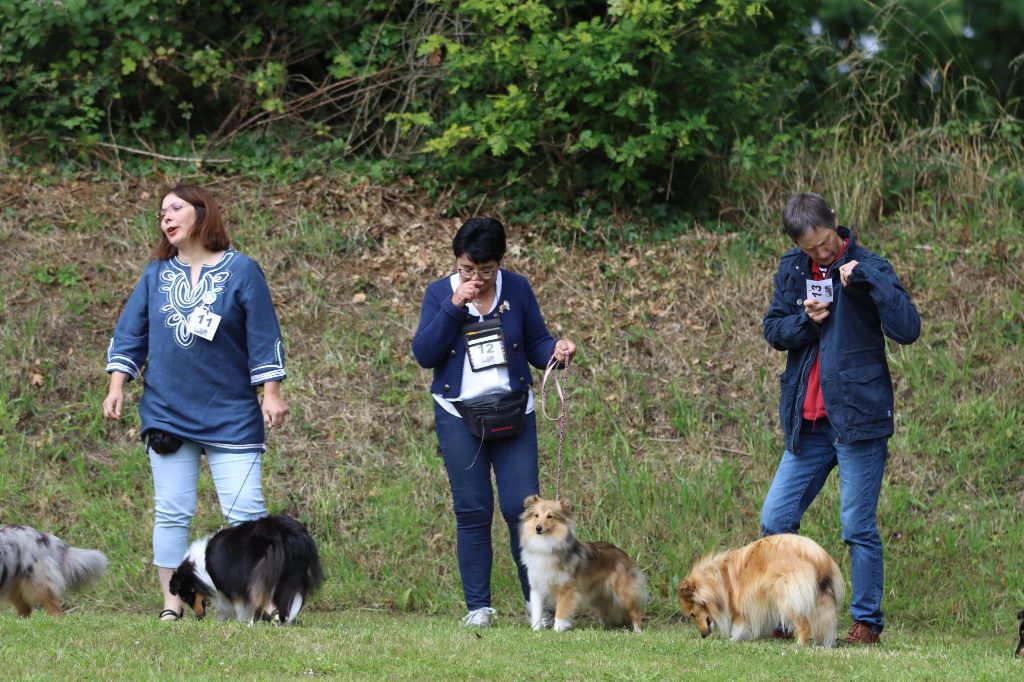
631	100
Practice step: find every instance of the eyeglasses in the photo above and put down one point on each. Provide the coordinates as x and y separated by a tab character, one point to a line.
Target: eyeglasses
485	273
173	208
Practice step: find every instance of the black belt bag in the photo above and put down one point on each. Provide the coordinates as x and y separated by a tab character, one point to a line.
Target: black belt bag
161	442
494	416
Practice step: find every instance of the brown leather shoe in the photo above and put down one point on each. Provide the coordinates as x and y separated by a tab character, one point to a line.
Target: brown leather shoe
860	633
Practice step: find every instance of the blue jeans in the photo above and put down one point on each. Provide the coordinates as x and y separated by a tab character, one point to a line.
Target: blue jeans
176	480
514	461
797	482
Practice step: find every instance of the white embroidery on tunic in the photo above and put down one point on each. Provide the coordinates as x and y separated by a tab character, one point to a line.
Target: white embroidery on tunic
182	298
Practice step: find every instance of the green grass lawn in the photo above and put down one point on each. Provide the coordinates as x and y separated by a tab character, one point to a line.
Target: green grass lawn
376	645
673	438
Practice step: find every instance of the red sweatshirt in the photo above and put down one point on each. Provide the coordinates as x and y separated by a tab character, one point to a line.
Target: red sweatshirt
814	400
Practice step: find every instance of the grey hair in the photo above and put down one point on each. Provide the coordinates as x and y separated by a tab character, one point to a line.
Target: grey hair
805	212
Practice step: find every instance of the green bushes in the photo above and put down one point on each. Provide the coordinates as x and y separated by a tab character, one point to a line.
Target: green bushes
623	100
173	69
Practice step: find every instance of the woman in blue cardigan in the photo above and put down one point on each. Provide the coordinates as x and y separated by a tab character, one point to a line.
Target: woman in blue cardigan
202	323
479	327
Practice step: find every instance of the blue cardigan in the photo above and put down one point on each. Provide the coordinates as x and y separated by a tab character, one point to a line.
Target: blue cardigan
203	391
439	345
855	379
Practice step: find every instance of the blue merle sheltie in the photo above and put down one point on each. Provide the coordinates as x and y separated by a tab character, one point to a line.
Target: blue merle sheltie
36	569
257	570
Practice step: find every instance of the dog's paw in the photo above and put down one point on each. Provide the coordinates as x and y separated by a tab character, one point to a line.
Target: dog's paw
562	625
539	625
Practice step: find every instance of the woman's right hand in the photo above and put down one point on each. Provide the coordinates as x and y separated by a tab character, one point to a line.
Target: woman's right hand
115	396
466	292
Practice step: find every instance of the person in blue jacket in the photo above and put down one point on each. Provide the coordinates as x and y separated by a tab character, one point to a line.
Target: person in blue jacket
480	328
202	322
834	303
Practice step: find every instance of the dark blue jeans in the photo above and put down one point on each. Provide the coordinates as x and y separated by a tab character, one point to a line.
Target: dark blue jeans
514	461
797	482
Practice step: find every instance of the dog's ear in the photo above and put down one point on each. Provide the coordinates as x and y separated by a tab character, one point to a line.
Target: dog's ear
566	505
687	590
530	501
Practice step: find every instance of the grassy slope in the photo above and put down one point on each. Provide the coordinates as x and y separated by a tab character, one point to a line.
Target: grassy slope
673	435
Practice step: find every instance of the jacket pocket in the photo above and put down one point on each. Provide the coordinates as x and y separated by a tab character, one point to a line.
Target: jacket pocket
867	394
789	387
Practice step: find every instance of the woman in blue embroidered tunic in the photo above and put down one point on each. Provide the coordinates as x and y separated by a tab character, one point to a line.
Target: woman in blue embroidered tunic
504	302
202	322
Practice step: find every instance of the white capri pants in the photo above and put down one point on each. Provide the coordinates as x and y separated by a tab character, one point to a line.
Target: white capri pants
176	483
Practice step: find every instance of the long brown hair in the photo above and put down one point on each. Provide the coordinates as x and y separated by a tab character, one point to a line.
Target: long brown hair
209	227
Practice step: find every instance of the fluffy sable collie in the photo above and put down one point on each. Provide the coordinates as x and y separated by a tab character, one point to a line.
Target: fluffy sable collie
37	569
778	580
257	570
565	573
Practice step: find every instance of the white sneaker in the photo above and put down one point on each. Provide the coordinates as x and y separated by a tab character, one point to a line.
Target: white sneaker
479	618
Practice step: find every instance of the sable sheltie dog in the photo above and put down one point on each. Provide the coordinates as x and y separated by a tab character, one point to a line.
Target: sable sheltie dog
257	570
565	573
37	569
778	580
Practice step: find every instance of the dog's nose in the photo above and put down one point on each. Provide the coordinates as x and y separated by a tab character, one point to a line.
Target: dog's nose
539	529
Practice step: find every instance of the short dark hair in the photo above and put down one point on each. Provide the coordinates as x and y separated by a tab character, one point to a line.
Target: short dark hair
209	227
482	239
805	212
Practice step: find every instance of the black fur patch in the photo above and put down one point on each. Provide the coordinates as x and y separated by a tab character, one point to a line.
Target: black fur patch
3	575
825	586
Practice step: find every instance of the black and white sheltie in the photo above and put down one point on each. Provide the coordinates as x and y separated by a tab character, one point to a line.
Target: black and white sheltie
261	569
36	569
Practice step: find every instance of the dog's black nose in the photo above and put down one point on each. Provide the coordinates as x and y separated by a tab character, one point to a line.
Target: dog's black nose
539	529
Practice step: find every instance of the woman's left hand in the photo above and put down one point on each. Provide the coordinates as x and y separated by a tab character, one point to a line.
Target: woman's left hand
274	409
564	350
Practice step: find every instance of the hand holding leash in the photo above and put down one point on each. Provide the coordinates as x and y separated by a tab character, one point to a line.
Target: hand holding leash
564	350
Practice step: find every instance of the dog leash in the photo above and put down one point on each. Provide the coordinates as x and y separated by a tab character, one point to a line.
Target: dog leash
227	517
561	387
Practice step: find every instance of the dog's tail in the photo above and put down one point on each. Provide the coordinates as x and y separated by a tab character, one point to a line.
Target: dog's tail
301	544
826	613
81	566
266	575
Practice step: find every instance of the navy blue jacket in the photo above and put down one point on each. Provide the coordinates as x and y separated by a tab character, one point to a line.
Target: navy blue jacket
855	379
439	344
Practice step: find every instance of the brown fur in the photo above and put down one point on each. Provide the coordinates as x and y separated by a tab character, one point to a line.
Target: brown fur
568	574
778	580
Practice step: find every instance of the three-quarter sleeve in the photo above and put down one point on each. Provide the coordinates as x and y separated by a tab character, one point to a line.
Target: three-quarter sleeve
129	347
263	333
